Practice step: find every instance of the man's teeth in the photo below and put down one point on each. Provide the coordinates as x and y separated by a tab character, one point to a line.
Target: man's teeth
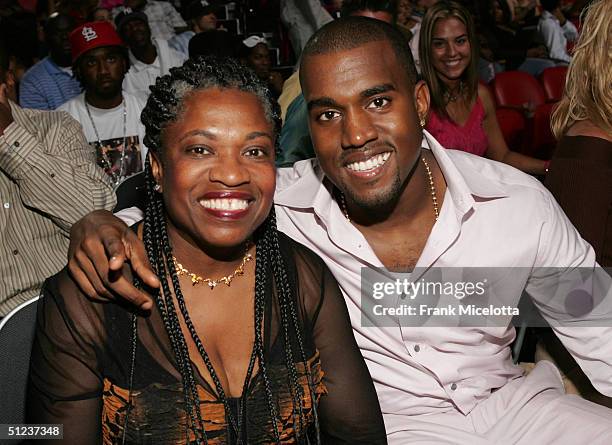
370	164
224	204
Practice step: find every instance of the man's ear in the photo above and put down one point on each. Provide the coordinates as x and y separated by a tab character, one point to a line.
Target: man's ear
157	169
421	99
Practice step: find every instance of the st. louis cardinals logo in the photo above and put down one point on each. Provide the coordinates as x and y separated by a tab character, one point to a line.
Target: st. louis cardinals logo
89	34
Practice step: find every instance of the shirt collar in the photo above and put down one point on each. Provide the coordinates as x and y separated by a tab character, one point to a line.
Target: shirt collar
547	16
53	68
139	65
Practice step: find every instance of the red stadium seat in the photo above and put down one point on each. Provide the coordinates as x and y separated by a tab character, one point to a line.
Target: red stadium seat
515	88
543	142
512	125
553	82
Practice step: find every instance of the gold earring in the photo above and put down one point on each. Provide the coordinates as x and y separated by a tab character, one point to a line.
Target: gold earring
422	121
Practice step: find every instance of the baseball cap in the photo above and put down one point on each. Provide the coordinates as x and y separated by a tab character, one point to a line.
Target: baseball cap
93	35
127	15
196	10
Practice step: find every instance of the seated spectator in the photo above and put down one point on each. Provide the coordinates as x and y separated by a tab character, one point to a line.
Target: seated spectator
164	20
110	117
201	19
505	43
50	83
410	23
462	114
580	176
149	58
556	30
254	53
103	15
48	180
302	18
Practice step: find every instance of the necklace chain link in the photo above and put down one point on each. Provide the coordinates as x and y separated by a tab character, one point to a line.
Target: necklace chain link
212	283
116	178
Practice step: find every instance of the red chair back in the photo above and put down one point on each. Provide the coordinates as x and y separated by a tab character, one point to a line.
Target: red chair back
515	88
553	82
512	125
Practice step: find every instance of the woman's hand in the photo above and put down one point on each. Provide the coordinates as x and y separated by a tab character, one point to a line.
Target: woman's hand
100	245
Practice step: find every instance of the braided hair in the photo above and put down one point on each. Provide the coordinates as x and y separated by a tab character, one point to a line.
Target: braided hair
164	107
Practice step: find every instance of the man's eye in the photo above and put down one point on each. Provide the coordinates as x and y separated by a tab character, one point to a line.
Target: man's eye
328	115
255	152
379	102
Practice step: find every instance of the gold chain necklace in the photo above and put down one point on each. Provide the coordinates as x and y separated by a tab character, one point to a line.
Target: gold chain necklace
432	190
227	280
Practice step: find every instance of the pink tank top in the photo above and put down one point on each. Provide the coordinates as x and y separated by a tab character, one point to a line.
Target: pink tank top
470	137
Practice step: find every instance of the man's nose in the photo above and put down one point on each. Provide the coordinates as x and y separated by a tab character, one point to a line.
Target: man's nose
358	129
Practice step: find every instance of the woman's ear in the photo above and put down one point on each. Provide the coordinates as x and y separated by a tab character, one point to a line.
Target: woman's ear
157	169
421	99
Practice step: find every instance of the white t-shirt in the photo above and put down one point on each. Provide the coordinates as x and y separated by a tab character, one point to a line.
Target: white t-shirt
109	124
142	75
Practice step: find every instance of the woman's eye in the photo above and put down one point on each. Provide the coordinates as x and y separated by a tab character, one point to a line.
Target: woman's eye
462	40
328	115
199	150
379	102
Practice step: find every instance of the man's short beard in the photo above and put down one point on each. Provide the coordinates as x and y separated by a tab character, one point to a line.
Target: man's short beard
382	203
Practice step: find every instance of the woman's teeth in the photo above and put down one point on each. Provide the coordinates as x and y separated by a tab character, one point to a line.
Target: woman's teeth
224	204
370	164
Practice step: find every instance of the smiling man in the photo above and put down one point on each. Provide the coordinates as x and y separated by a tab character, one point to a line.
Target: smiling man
110	116
384	193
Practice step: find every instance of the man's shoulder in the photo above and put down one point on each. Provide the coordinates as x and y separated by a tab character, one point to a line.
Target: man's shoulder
306	170
482	173
72	106
36	71
42	122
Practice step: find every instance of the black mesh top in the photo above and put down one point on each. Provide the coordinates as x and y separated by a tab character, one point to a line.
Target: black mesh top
81	365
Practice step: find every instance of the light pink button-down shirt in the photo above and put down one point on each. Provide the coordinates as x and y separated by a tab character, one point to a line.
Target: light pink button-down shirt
492	216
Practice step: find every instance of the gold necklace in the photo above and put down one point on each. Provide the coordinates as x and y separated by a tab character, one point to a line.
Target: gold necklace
432	189
227	280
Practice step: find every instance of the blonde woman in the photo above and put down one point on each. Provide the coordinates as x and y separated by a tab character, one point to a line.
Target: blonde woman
580	174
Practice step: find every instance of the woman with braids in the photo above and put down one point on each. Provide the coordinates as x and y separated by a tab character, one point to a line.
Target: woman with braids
462	114
249	341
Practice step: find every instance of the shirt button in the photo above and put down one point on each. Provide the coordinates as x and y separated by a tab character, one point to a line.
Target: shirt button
52	175
417	348
16	144
454	386
15	252
6	205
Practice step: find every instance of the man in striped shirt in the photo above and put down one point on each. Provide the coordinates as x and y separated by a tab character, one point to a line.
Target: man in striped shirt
48	180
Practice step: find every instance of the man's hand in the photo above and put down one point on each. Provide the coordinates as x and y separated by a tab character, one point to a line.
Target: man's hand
100	244
6	116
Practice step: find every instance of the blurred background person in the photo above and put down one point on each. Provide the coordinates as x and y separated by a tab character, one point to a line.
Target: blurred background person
254	53
110	116
49	83
462	114
163	18
149	57
200	19
556	30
